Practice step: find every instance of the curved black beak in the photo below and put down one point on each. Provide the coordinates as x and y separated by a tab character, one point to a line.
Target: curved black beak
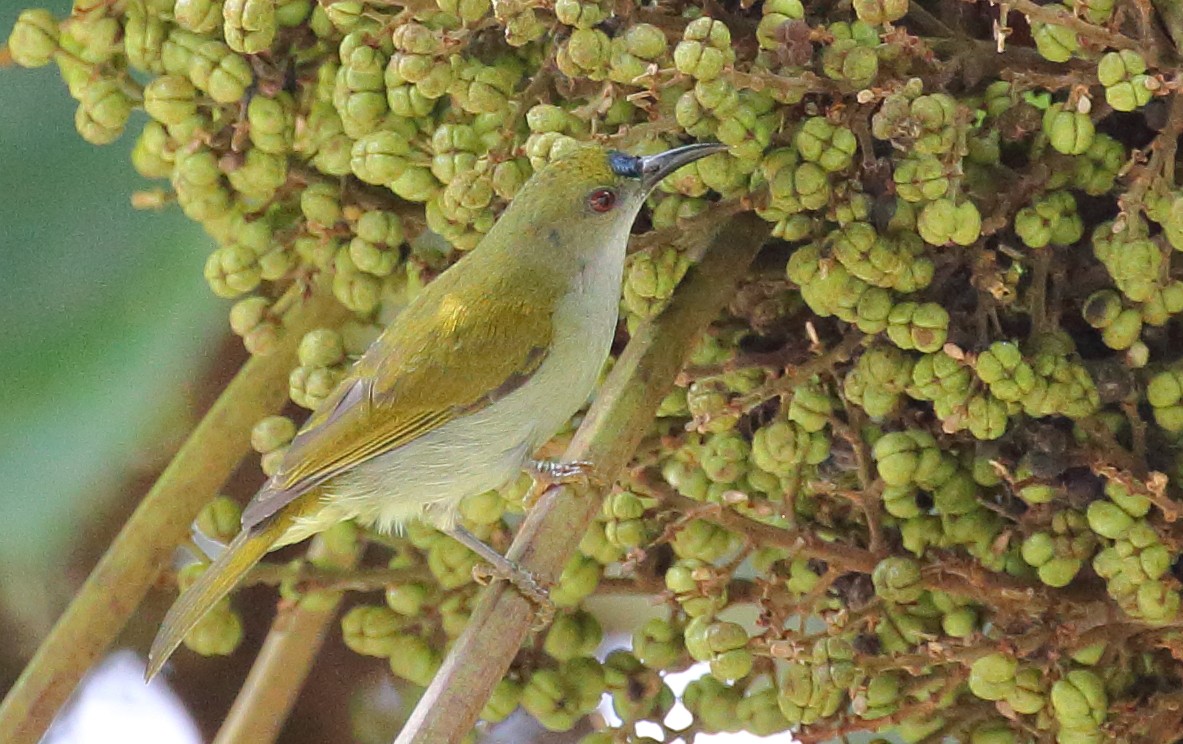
656	167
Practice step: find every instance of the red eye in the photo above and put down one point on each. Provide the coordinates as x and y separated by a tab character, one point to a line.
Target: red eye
602	200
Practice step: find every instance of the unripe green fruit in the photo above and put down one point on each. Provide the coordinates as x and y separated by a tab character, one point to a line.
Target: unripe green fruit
1108	520
272	433
579	578
960	623
34	38
920	178
657	643
220	519
1079	698
503	701
1028	696
220	72
1123	75
942	222
322	347
1124	331
1055	42
413	659
1101	308
705	49
579	14
732	665
878	12
102	112
468	11
897	579
992	676
379	157
923	327
577	634
1069	132
249	25
217	634
371	631
849	61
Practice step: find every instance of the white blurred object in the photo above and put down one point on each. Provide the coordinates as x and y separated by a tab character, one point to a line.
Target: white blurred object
679	717
114	706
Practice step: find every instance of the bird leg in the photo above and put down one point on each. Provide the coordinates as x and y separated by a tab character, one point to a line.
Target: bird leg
500	567
547	473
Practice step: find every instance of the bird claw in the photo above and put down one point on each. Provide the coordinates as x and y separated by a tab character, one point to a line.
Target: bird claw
547	473
527	585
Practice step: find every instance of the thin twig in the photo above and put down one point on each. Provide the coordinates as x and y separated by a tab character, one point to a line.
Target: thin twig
308	576
794	375
1061	17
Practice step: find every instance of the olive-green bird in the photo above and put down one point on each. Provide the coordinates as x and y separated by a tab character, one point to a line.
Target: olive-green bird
455	397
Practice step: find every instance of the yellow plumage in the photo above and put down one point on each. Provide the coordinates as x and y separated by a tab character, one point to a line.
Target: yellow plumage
243	552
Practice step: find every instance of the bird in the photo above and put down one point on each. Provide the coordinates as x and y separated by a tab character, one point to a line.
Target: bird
455	397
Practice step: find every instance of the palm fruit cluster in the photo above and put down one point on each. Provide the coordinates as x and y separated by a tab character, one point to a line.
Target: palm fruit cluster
920	479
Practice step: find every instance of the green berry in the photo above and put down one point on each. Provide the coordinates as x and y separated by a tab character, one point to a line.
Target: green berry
379	157
992	677
897	579
34	38
878	12
1069	132
413	659
371	631
705	49
1055	42
576	634
249	26
272	433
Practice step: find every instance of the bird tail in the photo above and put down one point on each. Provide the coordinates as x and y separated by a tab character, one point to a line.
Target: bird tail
243	552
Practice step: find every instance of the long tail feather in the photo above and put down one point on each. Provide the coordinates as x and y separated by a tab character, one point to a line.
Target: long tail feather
243	552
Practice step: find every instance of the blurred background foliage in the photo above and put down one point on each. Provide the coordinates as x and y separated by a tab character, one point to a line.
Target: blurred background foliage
106	331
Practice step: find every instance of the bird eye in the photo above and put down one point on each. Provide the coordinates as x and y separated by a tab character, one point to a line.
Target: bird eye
602	200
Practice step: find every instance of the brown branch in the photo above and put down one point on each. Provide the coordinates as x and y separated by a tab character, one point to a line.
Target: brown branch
309	576
870	491
794	375
1037	298
799	542
818	733
949	574
739	591
1061	17
616	423
806	82
1159	170
1170	12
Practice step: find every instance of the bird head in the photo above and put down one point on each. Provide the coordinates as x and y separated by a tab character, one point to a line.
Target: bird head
592	195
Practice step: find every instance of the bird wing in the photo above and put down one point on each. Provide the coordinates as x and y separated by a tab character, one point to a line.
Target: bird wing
438	361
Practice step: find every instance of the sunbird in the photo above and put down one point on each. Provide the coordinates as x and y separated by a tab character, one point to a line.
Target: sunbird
481	369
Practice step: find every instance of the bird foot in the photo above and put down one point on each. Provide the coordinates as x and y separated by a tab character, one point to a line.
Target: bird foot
497	566
525	582
547	473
